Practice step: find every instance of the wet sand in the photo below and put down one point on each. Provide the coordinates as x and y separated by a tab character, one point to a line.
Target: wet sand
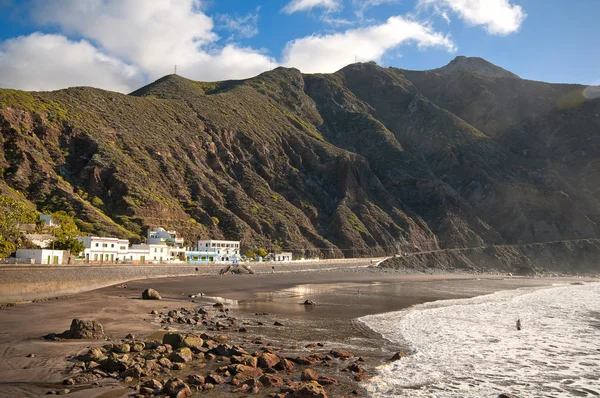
341	297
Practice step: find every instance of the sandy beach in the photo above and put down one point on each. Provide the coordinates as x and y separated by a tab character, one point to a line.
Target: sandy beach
341	295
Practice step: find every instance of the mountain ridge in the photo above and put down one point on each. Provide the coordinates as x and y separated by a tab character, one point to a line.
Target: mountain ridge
364	161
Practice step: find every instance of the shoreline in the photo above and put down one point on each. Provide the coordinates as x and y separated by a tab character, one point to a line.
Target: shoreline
121	312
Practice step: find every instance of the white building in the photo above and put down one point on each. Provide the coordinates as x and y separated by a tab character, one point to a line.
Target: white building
41	256
220	251
48	221
103	250
158	236
283	256
148	254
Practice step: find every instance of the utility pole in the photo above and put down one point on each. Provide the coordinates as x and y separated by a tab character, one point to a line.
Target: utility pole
53	237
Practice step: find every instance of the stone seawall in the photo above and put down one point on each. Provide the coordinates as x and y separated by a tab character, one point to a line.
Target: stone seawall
29	282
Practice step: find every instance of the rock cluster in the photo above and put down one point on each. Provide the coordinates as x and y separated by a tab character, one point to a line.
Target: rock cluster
171	366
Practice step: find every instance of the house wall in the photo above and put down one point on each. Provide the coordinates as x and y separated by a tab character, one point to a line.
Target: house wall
42	256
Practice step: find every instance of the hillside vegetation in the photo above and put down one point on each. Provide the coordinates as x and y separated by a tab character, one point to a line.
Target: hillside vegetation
365	161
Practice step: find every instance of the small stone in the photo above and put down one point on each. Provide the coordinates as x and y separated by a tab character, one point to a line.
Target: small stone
397	356
277	323
31	356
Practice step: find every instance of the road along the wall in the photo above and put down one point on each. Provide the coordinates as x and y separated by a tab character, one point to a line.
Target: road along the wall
30	282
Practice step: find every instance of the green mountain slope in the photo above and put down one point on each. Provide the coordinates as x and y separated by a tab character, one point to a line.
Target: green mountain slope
364	161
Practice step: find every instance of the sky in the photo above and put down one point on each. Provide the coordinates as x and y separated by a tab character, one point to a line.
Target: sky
121	45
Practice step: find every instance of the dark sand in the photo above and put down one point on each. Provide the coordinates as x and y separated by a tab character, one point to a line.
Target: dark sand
341	296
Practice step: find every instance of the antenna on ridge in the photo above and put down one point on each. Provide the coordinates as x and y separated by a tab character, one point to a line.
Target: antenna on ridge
175	69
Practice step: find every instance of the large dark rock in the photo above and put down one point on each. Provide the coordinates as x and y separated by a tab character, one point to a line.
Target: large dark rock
80	329
151	294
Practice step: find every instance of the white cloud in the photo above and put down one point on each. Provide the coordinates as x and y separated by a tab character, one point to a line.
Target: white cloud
51	62
243	27
329	53
499	17
154	35
362	5
306	5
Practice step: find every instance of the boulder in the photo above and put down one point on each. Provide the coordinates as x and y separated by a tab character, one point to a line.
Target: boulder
285	365
397	356
271	380
121	348
506	395
247	360
268	360
80	329
328	381
309	302
341	354
183	354
153	384
150	294
311	389
194	343
176	388
196	379
175	340
243	372
94	354
309	375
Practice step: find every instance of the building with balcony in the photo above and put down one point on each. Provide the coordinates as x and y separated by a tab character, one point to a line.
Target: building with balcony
103	250
214	251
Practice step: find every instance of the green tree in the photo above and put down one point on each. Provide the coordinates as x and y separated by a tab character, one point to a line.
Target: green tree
12	214
68	227
261	252
250	254
70	244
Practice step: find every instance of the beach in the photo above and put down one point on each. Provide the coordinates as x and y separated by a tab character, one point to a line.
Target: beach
342	295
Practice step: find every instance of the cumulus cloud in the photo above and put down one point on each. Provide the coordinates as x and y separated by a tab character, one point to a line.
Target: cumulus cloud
50	62
306	5
329	53
154	35
499	17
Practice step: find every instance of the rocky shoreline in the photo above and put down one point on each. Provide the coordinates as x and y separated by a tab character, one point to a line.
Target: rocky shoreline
208	349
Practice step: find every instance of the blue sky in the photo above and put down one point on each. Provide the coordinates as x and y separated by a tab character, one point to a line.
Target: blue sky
123	44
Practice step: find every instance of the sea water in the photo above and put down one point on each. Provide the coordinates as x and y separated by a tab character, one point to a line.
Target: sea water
472	348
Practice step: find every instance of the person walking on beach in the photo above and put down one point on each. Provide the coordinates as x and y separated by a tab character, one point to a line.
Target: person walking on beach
273	269
519	324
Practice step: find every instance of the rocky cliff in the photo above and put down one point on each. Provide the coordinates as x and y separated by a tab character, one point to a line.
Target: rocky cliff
364	161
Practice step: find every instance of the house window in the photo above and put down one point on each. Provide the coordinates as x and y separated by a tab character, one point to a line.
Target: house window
95	255
104	245
96	244
155	250
112	245
122	248
161	249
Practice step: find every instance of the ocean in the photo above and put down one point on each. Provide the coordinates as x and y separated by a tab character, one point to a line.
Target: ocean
472	348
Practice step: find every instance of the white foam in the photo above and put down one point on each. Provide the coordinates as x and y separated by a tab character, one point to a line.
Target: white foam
471	348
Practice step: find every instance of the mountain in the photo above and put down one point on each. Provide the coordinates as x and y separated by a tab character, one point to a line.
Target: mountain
474	65
364	161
